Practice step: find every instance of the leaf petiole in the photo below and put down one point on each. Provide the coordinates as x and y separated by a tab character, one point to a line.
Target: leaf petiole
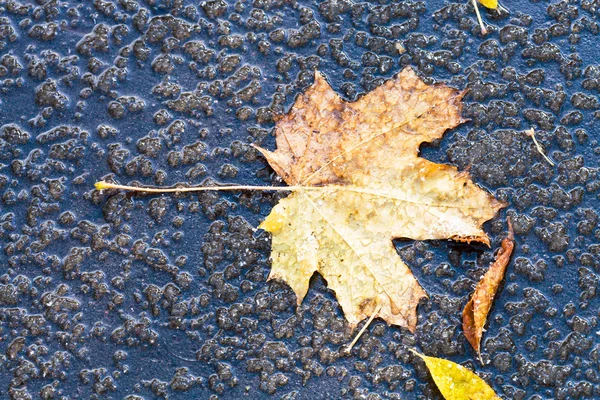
101	185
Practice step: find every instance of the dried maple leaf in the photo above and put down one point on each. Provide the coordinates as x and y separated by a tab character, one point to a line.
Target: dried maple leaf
477	309
456	382
358	183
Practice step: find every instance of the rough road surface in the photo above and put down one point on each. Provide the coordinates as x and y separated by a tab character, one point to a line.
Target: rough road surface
111	296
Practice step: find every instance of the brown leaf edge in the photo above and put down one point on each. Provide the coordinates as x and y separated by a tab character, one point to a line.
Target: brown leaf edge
478	307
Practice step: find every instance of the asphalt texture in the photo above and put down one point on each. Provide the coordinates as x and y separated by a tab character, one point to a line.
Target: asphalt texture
111	295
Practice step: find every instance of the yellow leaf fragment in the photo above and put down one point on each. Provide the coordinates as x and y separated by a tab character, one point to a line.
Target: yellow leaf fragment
478	307
456	382
364	186
492	4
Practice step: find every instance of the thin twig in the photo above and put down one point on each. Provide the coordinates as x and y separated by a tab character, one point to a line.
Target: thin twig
364	328
483	28
531	133
503	9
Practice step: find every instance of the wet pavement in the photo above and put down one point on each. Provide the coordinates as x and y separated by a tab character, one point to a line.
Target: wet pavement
112	295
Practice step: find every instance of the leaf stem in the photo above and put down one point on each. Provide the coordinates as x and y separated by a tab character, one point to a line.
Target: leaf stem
101	185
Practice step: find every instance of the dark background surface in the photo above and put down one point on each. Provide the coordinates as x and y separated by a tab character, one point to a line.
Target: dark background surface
108	295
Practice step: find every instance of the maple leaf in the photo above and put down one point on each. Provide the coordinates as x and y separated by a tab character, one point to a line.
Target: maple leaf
456	382
478	307
358	183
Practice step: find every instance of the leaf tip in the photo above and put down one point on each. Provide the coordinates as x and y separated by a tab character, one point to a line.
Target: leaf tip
264	152
416	353
320	83
319	76
511	232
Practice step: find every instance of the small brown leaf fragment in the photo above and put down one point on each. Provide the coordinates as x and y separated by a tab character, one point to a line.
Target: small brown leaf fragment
476	310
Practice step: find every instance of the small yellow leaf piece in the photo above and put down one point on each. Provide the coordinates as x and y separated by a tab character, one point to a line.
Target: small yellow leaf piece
456	382
477	309
359	183
492	4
